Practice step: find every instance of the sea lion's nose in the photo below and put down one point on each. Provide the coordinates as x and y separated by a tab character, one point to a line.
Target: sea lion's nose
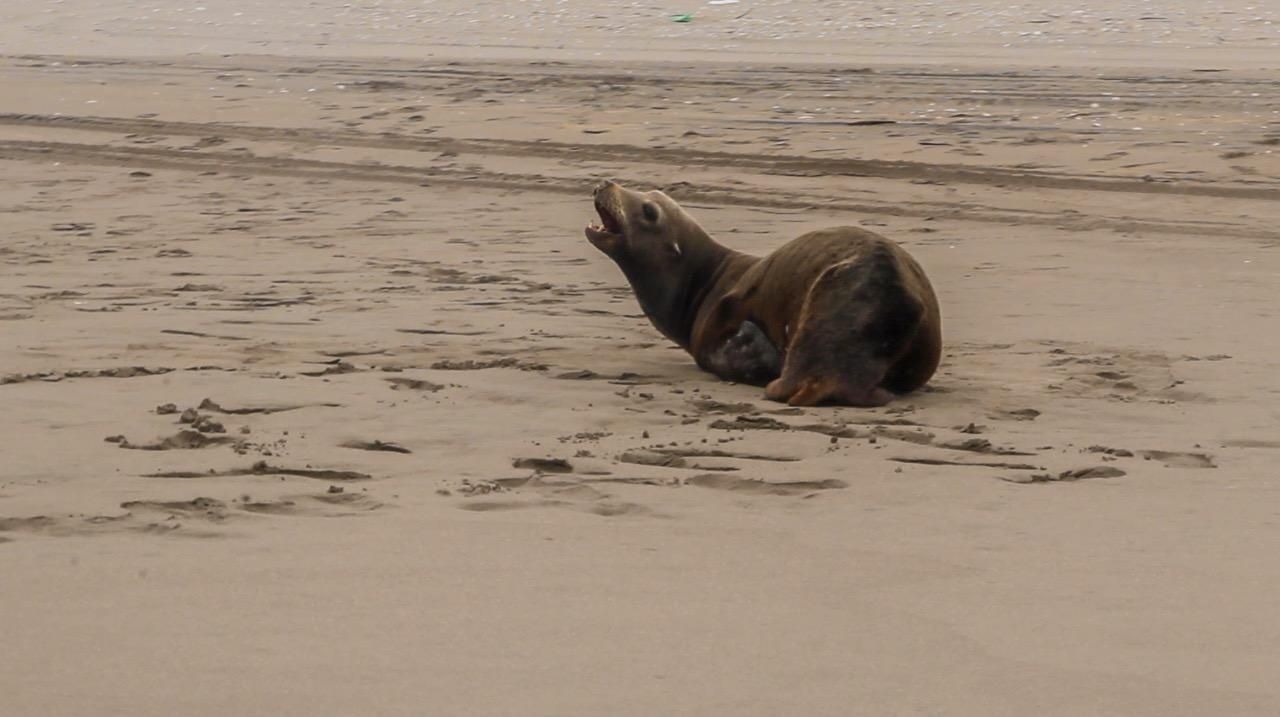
606	184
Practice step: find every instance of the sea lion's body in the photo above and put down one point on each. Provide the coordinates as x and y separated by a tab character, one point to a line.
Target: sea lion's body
840	315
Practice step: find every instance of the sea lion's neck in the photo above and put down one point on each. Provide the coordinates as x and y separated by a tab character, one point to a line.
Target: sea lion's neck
705	265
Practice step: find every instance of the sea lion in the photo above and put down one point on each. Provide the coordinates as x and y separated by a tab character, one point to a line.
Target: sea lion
836	316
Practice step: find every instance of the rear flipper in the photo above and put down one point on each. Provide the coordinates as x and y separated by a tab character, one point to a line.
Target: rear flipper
747	357
857	321
813	392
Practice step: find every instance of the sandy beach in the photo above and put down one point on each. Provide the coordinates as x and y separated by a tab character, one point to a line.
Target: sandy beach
319	403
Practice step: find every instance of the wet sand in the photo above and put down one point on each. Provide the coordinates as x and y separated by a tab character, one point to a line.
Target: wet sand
319	403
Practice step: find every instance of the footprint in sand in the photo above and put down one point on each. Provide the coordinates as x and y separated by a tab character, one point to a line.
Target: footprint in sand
413	384
1250	443
334	367
608	509
717	453
176	516
925	461
208	509
980	445
1066	476
1176	459
262	468
1018	414
755	486
331	504
376	445
538	492
80	525
473	365
1108	451
183	440
544	465
667	459
212	406
706	405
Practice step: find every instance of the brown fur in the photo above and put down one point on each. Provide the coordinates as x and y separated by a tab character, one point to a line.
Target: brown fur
839	315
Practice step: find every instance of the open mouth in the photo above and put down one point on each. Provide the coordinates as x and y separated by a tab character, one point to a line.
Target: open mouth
608	227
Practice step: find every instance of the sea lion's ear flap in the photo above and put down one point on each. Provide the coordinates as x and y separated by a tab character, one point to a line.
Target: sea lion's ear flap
675	249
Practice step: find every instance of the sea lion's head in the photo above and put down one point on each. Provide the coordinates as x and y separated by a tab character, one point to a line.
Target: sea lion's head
643	227
659	247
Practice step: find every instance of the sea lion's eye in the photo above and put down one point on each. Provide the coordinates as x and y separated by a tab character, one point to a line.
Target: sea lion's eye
650	212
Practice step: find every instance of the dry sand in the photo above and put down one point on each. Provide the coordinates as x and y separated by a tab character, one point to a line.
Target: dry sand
356	230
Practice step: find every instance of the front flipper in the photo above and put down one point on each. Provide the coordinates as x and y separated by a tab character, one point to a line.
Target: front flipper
747	357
